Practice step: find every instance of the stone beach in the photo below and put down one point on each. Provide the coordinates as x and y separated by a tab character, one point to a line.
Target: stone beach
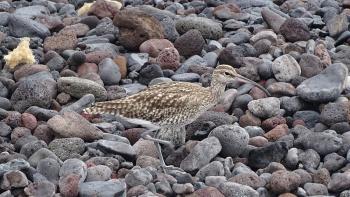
294	143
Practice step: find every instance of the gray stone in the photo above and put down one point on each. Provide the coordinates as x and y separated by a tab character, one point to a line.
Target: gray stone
5	130
67	148
214	168
231	189
109	72
335	112
186	77
78	87
35	90
24	27
337	25
233	139
322	142
98	173
339	182
265	107
333	162
74	166
208	28
138	177
261	157
326	86
50	169
41	154
15	164
285	68
31	147
114	187
120	148
201	154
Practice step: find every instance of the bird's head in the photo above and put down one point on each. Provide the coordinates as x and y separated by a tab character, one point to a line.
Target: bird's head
225	74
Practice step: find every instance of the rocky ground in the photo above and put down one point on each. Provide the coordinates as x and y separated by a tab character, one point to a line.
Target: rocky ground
294	143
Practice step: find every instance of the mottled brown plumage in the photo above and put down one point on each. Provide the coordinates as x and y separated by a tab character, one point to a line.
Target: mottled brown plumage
173	105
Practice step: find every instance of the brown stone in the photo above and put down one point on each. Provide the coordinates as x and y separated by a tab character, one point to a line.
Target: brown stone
133	134
250	179
97	56
19	132
206	192
287	195
121	61
135	27
169	58
29	121
61	42
69	185
86	68
44	132
258	141
257	93
282	89
190	43
79	29
322	52
54	23
226	11
277	132
29	69
154	46
284	181
272	122
248	119
103	8
321	176
295	30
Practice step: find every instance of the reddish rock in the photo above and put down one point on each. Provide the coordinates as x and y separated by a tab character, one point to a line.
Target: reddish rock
19	132
322	52
257	93
103	8
69	185
54	23
227	10
258	141
287	195
97	56
206	192
29	121
250	179
154	46
321	176
169	58
79	29
14	179
133	134
29	69
61	42
121	61
277	132
40	188
122	173
135	27
86	68
298	122
272	122
44	132
145	148
282	89
63	98
283	181
248	119
295	30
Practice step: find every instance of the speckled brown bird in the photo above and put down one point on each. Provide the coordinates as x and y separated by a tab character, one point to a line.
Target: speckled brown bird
168	107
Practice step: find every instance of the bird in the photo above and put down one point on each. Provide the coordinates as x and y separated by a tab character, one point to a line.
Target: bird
166	108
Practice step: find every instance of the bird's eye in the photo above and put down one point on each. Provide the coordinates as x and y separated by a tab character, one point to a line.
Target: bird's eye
227	73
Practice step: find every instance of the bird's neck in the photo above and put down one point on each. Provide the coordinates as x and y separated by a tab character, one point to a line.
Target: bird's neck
217	89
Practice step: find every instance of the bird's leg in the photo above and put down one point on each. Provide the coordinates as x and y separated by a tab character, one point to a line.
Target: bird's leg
160	155
146	136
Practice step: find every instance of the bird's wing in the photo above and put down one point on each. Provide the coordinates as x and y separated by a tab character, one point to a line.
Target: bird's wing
152	104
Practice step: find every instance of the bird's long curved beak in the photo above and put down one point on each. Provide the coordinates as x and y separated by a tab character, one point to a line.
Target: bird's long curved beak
246	80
